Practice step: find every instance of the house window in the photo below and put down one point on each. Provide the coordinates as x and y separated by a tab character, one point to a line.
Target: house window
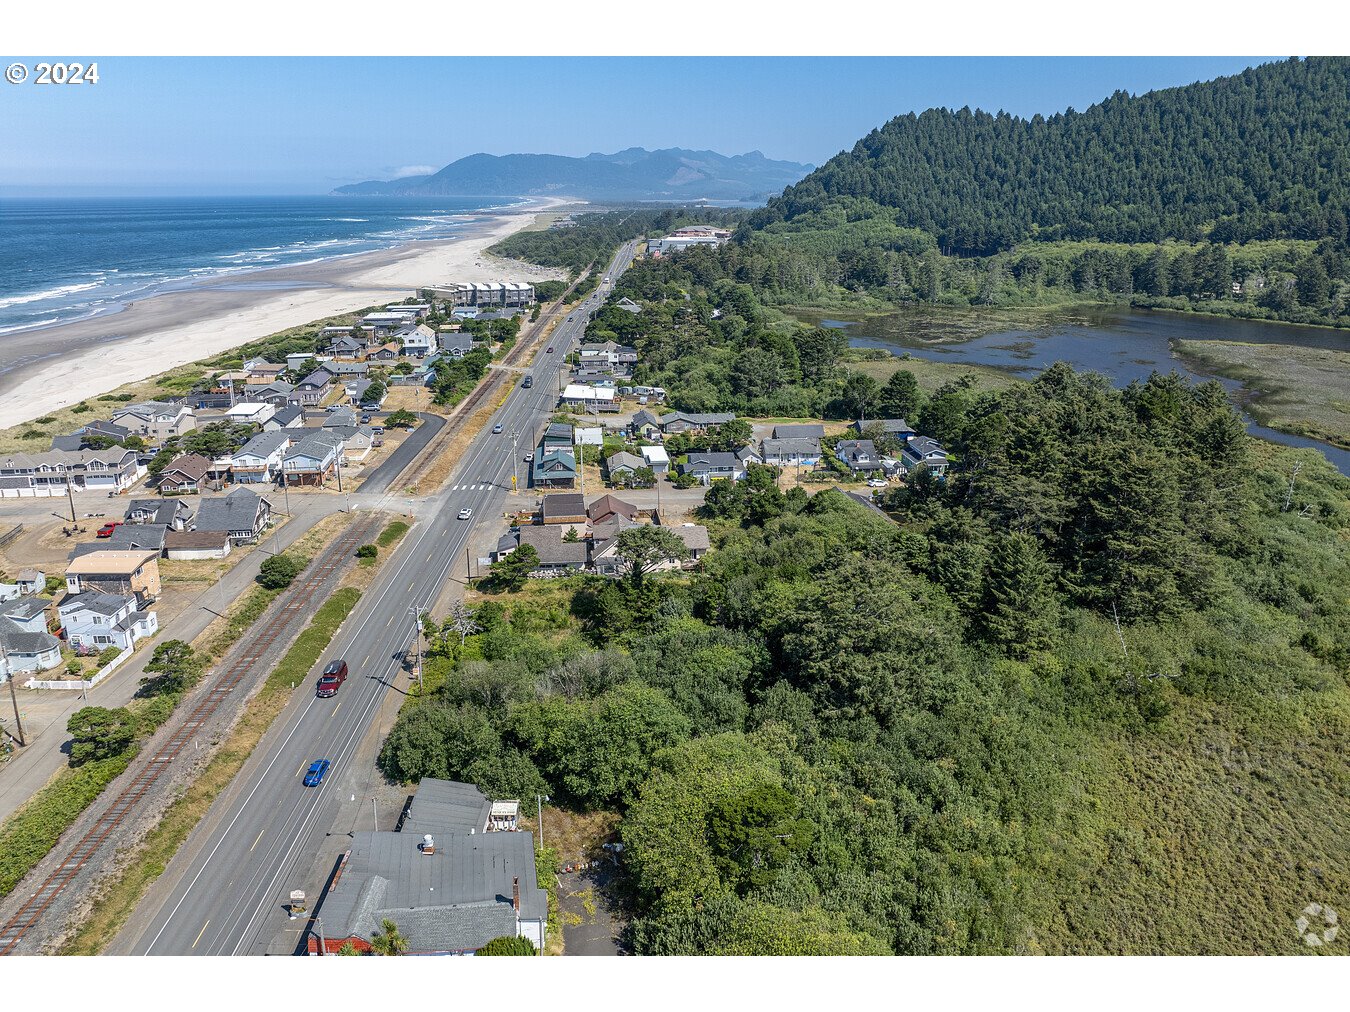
102	639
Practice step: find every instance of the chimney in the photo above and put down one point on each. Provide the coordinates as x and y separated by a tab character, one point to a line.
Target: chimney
515	893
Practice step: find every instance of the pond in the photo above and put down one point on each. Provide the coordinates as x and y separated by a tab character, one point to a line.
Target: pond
1122	344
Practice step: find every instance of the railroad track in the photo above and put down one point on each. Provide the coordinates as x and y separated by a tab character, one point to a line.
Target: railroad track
158	765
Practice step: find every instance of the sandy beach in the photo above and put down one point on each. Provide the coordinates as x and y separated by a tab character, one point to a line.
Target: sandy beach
44	370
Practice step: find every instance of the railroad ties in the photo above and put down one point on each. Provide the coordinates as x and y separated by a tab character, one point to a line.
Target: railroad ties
157	765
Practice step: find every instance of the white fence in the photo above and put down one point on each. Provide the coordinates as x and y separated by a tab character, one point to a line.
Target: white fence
78	684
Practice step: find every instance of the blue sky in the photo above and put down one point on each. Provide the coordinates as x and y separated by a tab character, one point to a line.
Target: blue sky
304	125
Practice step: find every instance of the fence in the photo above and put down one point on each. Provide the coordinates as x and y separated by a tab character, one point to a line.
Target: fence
79	684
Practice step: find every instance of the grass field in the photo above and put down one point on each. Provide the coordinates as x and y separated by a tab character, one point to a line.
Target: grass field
1305	391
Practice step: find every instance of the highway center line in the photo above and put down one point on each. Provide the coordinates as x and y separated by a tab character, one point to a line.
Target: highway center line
255	842
200	933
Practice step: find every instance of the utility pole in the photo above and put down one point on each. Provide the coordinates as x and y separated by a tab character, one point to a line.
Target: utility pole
18	724
375	826
515	459
70	494
468	572
417	645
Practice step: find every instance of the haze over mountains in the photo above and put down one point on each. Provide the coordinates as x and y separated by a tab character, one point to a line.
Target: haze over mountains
631	174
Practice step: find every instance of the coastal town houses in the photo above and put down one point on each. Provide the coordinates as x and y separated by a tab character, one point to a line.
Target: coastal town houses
292	416
156	421
314	387
622	465
924	451
171	514
591	398
554	469
250	413
895	427
567	508
455	875
608	357
94	620
124	538
858	455
455	343
557	555
242	514
657	458
348	345
681	421
26	583
312	460
132	571
418	341
184	475
708	466
608	506
791	451
114	469
646	425
260	459
485	294
190	545
25	651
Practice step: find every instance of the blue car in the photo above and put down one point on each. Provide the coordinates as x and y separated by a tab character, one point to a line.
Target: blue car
317	769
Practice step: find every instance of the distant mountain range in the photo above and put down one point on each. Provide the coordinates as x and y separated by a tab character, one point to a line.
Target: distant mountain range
632	174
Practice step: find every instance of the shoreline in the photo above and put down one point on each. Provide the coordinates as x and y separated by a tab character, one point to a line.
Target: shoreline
152	335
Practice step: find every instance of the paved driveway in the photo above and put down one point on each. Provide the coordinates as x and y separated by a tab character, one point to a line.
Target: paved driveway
590	924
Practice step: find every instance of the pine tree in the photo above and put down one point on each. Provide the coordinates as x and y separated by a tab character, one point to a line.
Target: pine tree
1020	610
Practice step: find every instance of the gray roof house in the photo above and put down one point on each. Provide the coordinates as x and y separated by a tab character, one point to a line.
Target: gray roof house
623	462
799	431
169	513
25	652
554	552
28	613
259	460
926	451
314	387
858	454
243	514
791	450
446	878
897	427
149	537
708	467
290	417
455	342
683	421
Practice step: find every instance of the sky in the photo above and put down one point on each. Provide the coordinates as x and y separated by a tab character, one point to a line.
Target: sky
220	126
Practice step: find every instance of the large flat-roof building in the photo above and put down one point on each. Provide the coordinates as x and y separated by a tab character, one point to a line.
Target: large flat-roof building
486	293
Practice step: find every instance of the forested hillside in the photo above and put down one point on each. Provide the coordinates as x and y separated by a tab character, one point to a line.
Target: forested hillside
1261	155
1227	196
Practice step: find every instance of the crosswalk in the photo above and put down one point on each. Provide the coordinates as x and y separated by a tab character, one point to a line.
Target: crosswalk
470	488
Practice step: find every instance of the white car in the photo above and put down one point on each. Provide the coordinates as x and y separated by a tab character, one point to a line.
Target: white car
465	514
529	458
877	483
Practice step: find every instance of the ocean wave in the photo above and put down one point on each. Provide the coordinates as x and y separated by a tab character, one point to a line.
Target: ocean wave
29	326
344	219
50	293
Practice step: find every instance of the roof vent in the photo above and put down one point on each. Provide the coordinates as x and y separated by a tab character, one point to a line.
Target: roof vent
428	845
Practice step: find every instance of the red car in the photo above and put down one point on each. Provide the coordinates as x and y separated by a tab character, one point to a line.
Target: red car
106	531
332	678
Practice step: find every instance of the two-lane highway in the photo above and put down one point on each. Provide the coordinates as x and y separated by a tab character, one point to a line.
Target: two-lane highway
224	893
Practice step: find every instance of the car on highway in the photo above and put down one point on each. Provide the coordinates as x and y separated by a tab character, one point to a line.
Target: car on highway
334	674
317	770
496	429
464	514
529	458
877	483
550	349
527	382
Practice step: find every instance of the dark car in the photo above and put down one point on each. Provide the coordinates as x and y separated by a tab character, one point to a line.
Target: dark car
550	350
365	419
316	772
332	678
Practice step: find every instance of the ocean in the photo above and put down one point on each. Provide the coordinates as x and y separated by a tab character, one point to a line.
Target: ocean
63	260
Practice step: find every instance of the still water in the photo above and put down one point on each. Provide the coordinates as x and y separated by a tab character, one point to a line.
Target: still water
1122	344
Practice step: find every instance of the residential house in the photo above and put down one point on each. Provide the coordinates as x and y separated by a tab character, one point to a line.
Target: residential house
290	417
708	467
417	341
260	459
23	652
243	514
31	581
608	357
339	417
792	451
156	421
28	613
124	538
608	506
456	343
605	557
130	571
297	360
260	368
858	455
94	620
279	394
314	387
385	352
171	514
623	463
925	451
185	474
410	310
556	554
799	431
250	413
558	436
564	508
628	305
681	421
447	879
588	435
312	460
592	398
75	442
656	458
197	545
45	474
348	345
355	441
348	370
106	429
554	469
897	427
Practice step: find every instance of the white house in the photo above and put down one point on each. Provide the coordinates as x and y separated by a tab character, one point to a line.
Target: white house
656	457
250	413
601	398
259	460
589	436
94	621
418	341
